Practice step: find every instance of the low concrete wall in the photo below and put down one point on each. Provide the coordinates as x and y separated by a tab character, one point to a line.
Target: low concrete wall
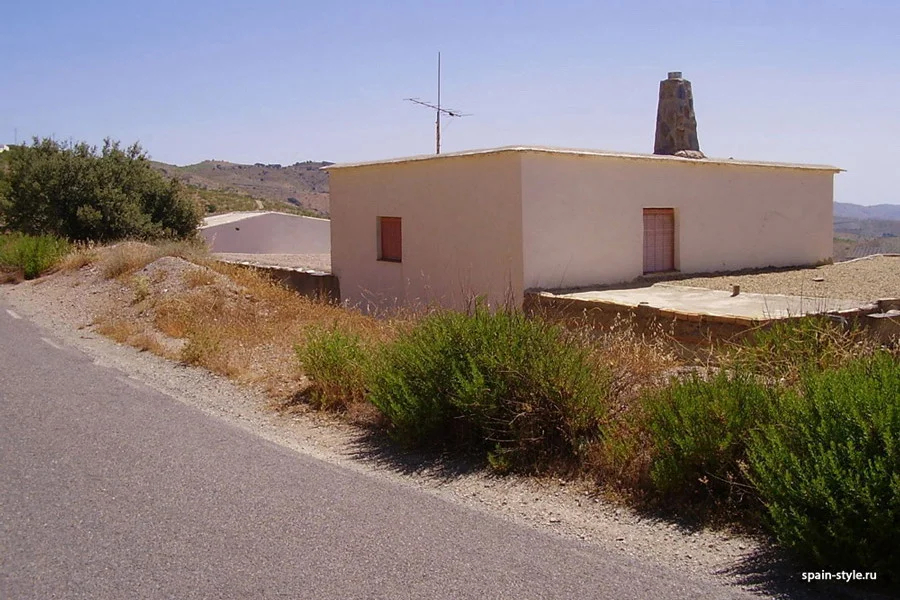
688	329
881	318
312	284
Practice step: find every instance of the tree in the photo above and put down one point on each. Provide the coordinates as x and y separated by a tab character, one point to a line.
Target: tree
74	191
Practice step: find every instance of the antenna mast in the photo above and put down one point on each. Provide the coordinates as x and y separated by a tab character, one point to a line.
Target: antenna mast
437	121
438	110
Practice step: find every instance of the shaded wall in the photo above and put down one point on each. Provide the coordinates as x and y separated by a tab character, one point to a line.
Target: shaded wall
461	230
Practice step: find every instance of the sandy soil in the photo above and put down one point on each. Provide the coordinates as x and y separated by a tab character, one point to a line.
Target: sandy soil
866	279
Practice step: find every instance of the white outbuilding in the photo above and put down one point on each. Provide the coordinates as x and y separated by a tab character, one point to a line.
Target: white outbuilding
266	232
441	229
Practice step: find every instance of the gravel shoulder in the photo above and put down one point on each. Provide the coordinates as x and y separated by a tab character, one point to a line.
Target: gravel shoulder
64	304
867	279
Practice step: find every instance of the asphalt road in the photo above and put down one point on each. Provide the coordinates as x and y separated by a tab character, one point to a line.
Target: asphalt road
109	489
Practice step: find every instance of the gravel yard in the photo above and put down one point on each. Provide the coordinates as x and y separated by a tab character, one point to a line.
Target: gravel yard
865	279
314	262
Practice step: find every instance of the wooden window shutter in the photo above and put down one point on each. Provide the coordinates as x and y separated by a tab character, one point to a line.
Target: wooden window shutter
391	243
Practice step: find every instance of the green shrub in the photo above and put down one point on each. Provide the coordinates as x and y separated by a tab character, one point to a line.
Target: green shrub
82	194
828	470
514	386
337	365
700	430
32	255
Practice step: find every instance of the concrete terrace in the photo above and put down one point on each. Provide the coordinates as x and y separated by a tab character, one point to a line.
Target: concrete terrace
715	303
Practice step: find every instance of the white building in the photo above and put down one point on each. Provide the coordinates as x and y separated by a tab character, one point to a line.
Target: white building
440	229
266	233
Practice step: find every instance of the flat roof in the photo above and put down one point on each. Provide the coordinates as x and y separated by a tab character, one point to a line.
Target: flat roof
592	153
233	217
703	301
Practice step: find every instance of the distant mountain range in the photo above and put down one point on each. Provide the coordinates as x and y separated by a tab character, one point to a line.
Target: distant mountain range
864	230
883	212
303	184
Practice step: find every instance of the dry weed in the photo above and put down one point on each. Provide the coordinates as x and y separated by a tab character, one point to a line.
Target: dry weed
147	342
199	277
125	258
246	326
132	333
638	359
117	328
12	276
81	256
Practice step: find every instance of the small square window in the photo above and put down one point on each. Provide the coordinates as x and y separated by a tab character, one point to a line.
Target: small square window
390	239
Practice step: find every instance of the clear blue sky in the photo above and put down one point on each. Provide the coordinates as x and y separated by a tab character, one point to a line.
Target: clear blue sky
815	81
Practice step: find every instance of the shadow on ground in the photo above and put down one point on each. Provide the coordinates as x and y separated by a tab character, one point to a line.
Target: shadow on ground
770	573
767	572
376	448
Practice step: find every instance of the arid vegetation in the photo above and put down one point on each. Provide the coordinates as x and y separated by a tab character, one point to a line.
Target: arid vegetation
792	432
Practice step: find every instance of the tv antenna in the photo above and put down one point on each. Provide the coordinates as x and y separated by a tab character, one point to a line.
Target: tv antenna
438	109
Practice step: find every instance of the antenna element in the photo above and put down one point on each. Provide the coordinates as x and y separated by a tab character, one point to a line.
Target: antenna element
438	109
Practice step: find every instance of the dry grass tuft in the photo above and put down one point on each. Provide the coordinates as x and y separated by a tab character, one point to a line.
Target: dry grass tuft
125	258
119	329
132	333
82	256
147	342
241	324
11	276
199	277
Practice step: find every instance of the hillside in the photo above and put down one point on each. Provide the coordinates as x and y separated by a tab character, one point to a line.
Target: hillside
865	230
882	212
303	185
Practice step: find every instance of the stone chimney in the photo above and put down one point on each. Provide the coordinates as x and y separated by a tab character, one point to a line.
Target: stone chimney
676	124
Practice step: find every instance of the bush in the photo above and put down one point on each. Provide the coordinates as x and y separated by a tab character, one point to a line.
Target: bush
829	470
497	381
700	430
337	366
32	255
74	191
